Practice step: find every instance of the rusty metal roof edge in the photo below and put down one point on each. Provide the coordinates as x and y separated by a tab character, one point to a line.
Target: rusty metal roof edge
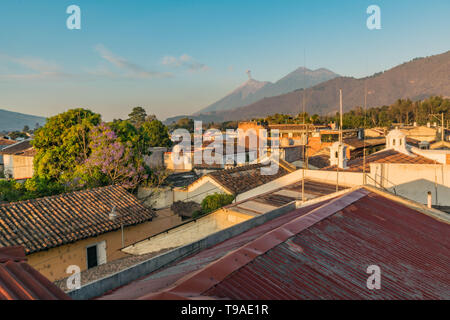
433	213
200	281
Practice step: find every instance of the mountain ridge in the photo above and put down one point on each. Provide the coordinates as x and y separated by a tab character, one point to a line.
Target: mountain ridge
16	121
417	79
253	90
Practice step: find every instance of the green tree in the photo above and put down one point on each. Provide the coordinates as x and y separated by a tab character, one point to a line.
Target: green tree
184	123
17	134
156	133
62	144
137	116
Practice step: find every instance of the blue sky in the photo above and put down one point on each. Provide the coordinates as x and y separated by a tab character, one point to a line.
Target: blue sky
176	57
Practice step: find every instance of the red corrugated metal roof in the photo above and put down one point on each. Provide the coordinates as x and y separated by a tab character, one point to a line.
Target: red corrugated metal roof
160	280
19	281
323	254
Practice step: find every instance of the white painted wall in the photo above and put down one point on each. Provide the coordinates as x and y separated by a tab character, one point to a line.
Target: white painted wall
413	181
8	166
161	199
198	190
437	155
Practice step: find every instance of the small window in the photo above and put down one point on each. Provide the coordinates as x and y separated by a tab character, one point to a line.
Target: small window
96	254
337	155
400	142
393	142
91	255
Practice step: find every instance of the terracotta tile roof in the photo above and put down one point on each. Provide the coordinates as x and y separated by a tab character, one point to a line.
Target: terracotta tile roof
356	143
317	252
23	148
385	156
6	142
234	146
19	281
242	179
296	127
205	165
49	222
412	142
319	161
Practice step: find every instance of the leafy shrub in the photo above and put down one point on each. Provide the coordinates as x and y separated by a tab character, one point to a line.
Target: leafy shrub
216	201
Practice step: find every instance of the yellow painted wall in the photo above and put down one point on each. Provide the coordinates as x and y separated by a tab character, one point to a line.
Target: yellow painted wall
53	263
23	167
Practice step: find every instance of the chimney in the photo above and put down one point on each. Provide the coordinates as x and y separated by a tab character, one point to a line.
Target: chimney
429	200
338	155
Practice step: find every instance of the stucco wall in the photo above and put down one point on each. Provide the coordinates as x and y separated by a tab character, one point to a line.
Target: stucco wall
414	181
161	199
53	263
438	155
197	191
189	232
18	166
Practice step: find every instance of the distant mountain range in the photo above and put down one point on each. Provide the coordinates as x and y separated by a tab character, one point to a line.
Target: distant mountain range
252	90
416	80
14	121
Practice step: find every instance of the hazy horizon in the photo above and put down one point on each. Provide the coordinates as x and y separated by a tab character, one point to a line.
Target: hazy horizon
177	57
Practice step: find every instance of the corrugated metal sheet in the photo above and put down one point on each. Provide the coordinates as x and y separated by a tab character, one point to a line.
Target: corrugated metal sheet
282	196
19	281
329	260
321	254
169	275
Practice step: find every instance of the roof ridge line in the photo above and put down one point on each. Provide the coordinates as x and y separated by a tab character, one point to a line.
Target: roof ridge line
60	195
202	280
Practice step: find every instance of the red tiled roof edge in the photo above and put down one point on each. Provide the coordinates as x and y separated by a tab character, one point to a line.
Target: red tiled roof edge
96	224
16	253
20	281
196	284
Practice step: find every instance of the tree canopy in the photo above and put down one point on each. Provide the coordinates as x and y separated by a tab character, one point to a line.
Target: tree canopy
402	111
156	133
62	144
137	116
76	150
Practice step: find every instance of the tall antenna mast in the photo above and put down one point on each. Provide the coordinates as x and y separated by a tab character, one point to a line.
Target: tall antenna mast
305	144
340	114
364	128
340	140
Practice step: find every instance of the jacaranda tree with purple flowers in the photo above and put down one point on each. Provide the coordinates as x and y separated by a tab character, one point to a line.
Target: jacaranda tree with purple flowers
114	161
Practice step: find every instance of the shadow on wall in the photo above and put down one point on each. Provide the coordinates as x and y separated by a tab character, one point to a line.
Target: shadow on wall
417	190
